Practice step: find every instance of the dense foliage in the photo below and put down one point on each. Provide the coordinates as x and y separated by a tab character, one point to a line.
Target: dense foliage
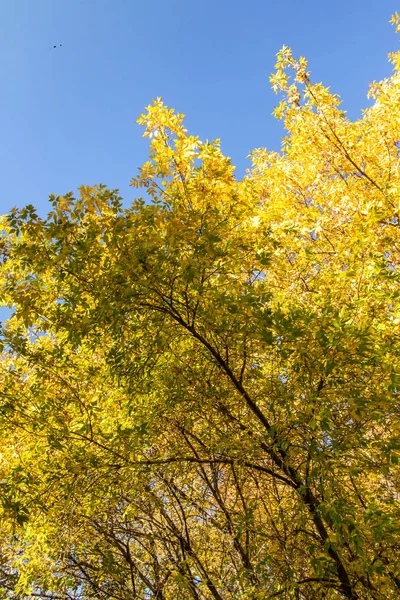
199	394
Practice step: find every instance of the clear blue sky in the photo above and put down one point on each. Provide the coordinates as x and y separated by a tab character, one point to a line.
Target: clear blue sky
68	114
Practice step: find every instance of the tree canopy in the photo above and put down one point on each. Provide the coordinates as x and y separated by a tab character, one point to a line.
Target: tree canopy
199	394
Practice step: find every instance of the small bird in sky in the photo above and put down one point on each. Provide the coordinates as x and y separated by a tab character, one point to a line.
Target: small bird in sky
56	46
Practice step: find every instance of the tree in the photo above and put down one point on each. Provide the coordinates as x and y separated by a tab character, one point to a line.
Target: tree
199	393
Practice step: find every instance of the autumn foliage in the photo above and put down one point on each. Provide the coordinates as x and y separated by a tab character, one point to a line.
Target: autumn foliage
199	394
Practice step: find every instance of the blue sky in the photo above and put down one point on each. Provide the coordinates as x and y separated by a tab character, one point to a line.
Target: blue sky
68	114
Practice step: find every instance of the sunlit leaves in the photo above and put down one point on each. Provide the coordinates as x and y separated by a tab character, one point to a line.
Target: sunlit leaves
199	393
